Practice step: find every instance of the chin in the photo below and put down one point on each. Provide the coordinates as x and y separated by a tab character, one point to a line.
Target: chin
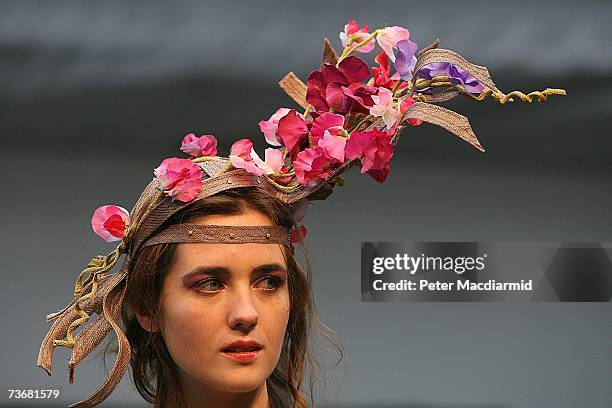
236	381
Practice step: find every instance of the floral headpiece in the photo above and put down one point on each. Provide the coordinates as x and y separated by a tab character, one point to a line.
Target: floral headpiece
352	115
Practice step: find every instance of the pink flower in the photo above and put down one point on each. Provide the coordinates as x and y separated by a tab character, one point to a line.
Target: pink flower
273	163
181	178
404	105
327	121
375	150
311	163
205	145
293	131
318	161
353	35
110	222
269	127
407	103
242	156
333	146
389	37
383	106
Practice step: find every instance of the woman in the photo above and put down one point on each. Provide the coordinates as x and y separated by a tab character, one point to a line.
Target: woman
211	323
220	324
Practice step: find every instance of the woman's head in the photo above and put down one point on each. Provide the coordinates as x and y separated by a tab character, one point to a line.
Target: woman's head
187	304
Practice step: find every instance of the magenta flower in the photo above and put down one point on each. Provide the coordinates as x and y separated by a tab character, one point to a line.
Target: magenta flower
375	150
327	121
181	178
325	88
293	131
205	145
407	103
383	106
359	97
318	161
389	37
353	35
269	127
110	222
311	163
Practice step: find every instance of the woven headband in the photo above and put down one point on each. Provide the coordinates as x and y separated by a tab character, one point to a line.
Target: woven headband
225	234
351	114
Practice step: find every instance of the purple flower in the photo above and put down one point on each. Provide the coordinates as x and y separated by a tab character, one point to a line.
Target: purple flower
405	60
455	74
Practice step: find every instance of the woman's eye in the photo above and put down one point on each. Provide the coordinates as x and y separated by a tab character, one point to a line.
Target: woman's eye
208	285
271	282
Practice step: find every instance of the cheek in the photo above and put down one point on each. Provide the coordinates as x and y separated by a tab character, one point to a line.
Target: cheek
274	317
188	328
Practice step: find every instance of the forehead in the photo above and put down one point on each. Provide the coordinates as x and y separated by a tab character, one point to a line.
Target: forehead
235	257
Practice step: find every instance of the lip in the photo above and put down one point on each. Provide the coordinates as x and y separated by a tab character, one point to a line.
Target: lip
243	356
242	350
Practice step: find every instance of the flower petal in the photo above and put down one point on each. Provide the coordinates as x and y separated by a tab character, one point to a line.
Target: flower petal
181	179
406	59
389	37
110	222
293	131
242	148
325	121
354	69
250	166
269	127
274	159
310	164
333	145
205	145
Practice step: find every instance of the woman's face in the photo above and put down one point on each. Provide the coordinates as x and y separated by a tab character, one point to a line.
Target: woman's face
217	294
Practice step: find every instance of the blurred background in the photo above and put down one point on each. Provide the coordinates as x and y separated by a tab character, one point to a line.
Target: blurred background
93	95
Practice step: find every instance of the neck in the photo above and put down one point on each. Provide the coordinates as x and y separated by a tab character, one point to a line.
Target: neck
198	396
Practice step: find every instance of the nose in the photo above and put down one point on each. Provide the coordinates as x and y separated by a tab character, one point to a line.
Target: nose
243	315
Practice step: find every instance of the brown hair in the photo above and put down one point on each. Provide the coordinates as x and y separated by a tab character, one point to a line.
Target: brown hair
154	371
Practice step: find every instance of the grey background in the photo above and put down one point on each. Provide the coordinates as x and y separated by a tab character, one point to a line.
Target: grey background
94	95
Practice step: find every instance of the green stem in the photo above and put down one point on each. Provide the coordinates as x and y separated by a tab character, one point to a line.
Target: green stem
347	51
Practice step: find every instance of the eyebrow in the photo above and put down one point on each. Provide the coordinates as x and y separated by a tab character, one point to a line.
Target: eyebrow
224	273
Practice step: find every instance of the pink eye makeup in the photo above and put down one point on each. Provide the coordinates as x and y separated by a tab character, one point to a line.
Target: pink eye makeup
205	279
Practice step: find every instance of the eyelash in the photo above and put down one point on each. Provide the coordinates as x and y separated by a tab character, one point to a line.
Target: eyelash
276	283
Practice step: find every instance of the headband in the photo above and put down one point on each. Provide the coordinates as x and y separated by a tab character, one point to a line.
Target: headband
352	115
224	234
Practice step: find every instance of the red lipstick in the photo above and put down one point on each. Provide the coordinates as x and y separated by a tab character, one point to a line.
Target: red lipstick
243	351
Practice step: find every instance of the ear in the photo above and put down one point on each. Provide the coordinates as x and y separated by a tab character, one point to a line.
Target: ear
146	321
